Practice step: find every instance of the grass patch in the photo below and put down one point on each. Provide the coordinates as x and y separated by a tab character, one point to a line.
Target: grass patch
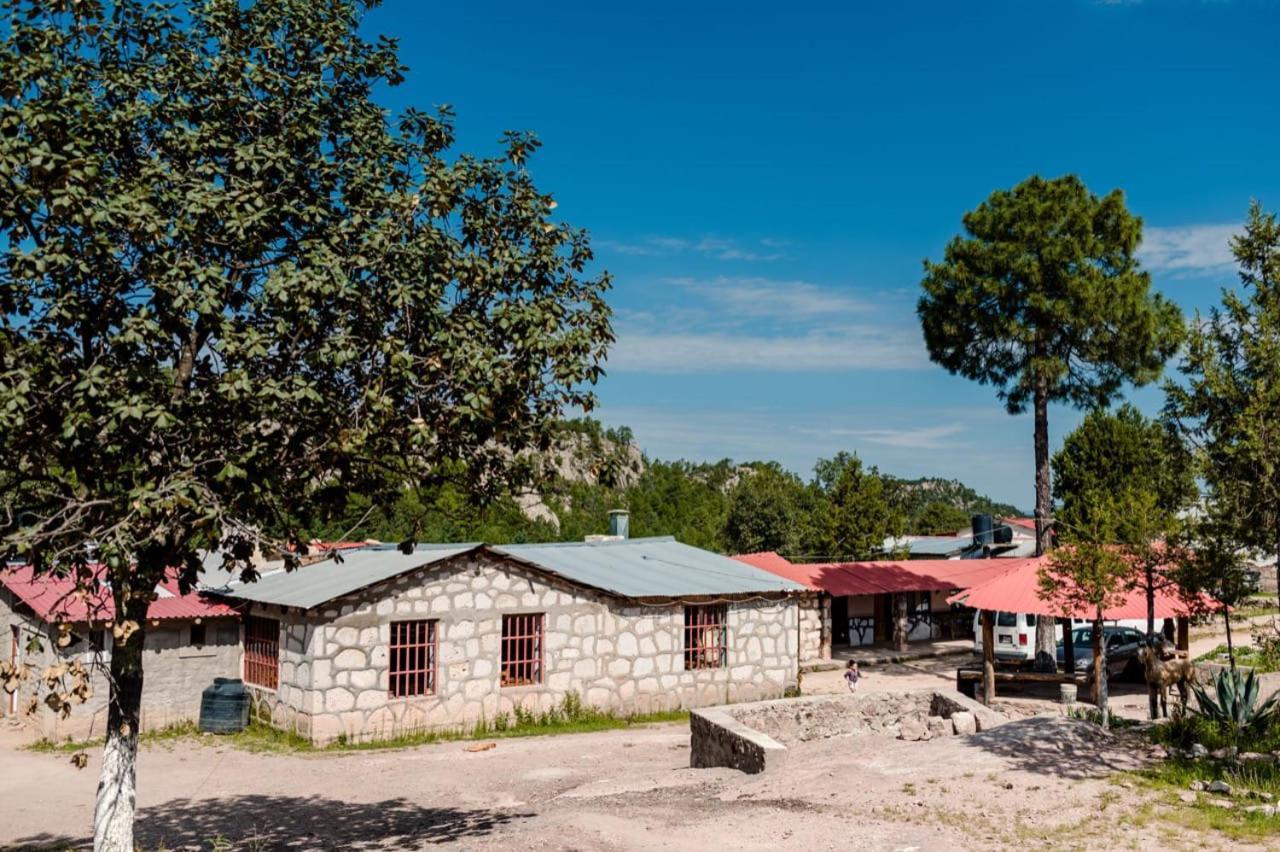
570	717
1172	778
1094	715
1182	732
1248	656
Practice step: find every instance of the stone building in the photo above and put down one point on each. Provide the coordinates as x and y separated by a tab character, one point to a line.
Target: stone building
446	636
189	641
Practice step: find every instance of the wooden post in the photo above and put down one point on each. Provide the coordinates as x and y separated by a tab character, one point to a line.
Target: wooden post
988	657
899	622
1184	633
1068	647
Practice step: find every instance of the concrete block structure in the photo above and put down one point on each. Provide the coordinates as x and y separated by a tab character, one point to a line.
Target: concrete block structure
384	643
188	642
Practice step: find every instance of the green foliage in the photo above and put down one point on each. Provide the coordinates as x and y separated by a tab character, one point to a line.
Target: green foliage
1228	404
1044	291
769	509
856	516
1113	452
235	290
1234	704
1043	298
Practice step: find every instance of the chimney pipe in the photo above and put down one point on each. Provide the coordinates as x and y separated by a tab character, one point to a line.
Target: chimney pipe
619	522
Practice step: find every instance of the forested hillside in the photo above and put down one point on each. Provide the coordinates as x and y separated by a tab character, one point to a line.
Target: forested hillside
844	510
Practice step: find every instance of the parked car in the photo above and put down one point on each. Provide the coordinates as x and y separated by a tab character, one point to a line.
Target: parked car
1015	634
1122	650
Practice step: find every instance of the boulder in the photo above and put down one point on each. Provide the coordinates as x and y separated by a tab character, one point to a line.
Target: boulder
1198	750
1221	787
912	729
939	727
964	722
1196	786
1268	810
1255	757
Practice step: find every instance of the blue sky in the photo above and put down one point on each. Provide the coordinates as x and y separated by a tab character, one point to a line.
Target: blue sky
763	181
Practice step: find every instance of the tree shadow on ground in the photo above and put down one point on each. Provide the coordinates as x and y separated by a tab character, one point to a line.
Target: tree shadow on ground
1064	748
299	823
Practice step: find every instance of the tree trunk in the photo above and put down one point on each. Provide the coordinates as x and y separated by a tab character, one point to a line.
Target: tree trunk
1068	646
1153	693
988	657
1231	651
1100	669
1046	644
900	622
117	784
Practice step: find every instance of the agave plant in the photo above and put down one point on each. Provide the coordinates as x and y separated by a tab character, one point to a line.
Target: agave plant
1236	702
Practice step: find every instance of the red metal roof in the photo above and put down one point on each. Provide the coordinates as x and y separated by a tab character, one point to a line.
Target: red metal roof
56	599
881	577
1018	590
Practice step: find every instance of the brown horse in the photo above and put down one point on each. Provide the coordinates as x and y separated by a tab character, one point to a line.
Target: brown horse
1167	669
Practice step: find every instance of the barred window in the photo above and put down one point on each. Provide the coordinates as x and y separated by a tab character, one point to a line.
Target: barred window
705	636
262	651
522	649
413	658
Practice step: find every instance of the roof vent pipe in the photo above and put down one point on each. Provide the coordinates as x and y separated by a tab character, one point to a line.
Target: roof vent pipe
619	522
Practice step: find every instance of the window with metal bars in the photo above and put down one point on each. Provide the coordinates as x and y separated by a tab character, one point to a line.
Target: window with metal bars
705	636
522	649
262	651
413	658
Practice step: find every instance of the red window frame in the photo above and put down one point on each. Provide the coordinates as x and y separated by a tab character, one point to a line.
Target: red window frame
522	644
262	651
413	658
706	636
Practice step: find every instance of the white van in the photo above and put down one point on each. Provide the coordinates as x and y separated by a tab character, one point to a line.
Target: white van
1015	633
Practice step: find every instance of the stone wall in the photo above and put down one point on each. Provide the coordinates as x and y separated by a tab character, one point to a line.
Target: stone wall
175	672
815	628
753	737
622	657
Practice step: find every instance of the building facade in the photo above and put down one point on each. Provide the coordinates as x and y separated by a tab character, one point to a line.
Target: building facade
447	639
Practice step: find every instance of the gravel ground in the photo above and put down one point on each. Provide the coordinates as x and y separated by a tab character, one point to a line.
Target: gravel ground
1039	781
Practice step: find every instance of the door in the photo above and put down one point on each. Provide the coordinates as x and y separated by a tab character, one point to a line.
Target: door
840	620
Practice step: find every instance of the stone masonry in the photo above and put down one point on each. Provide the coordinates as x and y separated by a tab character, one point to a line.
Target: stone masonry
618	655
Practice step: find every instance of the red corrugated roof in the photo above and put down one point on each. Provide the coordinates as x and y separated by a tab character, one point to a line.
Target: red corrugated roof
56	599
881	577
1018	590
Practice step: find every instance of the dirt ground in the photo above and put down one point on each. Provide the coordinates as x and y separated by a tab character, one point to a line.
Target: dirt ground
1039	781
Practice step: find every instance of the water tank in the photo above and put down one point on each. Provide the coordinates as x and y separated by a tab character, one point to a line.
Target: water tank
224	706
982	529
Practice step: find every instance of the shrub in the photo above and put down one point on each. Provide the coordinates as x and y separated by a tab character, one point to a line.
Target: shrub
1235	703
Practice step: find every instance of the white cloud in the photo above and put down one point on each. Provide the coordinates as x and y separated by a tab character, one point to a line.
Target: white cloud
918	438
847	348
765	297
717	247
1193	248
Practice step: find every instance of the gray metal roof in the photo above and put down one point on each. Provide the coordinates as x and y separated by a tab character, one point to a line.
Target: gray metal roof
633	568
649	567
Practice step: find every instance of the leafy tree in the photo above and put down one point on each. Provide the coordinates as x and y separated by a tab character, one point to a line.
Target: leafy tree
855	517
1209	563
682	499
938	517
1145	466
1088	575
1043	298
233	289
768	510
1228	404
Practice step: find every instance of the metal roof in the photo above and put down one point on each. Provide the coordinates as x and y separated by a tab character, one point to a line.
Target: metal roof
631	568
315	584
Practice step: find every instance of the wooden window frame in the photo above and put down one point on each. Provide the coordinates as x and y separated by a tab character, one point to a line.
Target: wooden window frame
262	651
413	658
523	646
706	636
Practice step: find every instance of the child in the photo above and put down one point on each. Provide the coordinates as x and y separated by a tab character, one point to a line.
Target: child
852	675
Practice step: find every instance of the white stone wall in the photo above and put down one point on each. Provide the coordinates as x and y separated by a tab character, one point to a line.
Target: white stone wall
627	658
815	628
175	672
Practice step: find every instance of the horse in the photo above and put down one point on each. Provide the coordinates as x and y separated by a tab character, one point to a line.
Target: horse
1164	670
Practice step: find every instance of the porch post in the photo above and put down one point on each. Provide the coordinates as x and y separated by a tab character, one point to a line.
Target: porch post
988	657
1184	633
